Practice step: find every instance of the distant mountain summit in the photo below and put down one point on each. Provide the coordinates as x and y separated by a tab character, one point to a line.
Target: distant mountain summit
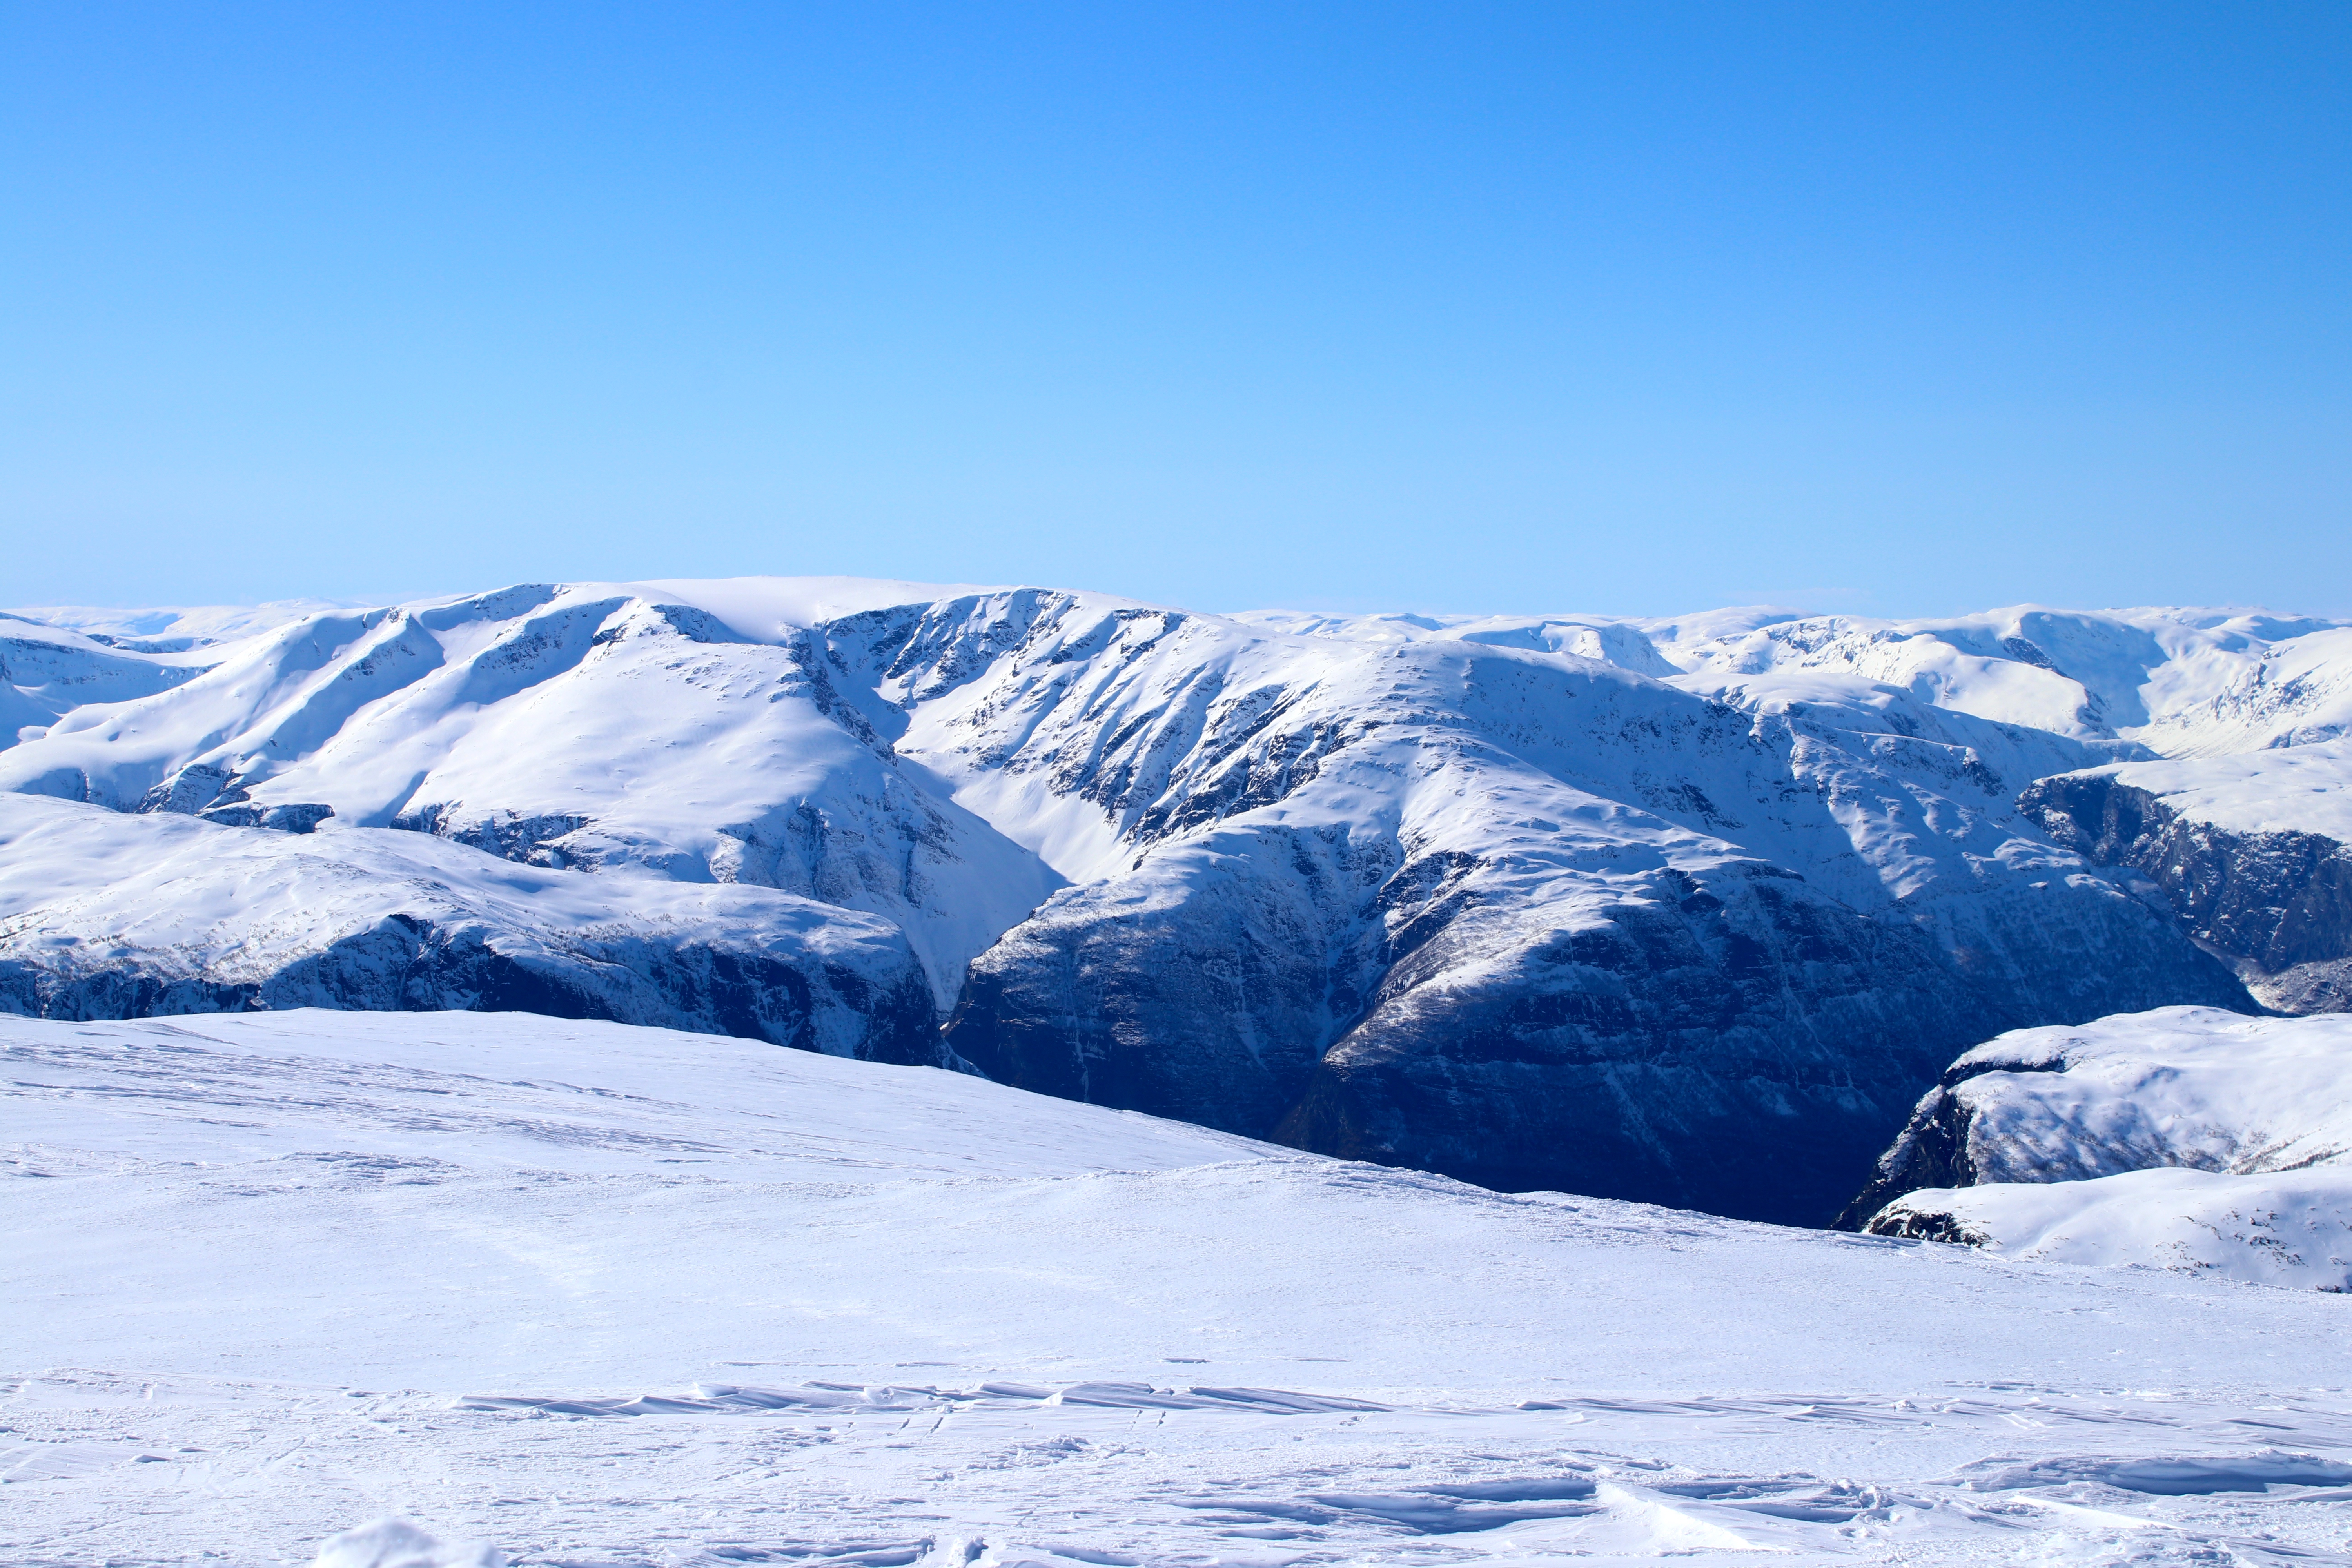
1690	910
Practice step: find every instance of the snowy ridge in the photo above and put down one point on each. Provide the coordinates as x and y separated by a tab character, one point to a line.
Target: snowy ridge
2181	682
104	915
2181	1138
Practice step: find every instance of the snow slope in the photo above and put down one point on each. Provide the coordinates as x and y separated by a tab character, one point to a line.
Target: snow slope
2181	1138
597	1295
104	915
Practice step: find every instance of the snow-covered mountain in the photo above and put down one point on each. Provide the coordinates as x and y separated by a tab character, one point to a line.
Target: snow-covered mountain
583	727
2183	1138
1688	911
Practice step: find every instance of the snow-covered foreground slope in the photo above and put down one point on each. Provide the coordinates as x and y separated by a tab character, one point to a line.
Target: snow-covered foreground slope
603	1296
2184	1138
1687	911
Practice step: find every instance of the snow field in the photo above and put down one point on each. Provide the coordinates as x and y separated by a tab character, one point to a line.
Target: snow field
591	1294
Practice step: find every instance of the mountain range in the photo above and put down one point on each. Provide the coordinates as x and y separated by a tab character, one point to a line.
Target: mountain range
1688	911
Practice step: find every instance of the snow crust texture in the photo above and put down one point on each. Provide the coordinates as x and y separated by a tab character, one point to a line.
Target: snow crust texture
1687	910
575	1292
2184	1138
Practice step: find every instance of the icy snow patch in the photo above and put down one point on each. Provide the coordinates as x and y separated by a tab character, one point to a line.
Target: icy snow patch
396	1544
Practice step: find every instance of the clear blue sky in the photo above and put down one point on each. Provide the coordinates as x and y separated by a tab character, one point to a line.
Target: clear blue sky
1892	308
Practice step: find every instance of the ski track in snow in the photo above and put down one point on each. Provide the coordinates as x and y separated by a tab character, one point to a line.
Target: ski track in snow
596	1295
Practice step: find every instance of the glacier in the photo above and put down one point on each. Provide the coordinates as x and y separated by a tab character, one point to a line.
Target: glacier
1687	910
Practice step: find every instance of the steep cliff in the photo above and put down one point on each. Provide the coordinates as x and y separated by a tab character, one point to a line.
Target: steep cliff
2254	854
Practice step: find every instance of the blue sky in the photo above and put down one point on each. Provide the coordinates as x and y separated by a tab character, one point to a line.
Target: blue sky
1896	309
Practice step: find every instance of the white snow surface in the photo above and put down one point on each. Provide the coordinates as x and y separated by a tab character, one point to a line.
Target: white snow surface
396	1544
581	1293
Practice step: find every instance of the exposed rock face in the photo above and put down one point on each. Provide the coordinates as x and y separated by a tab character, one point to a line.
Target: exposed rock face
1934	1148
2277	903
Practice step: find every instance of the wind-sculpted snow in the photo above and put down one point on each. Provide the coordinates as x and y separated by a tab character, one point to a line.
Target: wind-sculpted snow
1644	908
574	1292
110	916
2179	1138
